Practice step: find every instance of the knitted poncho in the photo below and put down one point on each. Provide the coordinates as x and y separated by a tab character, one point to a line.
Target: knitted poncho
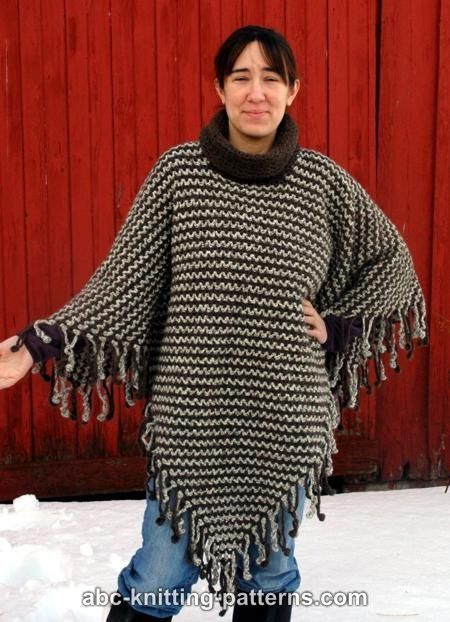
197	308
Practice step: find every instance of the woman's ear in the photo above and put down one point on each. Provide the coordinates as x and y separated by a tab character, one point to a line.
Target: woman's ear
293	90
219	91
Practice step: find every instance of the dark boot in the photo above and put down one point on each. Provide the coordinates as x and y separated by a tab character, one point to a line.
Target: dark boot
124	612
279	612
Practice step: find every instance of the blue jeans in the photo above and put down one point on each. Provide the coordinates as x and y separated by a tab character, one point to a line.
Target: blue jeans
162	564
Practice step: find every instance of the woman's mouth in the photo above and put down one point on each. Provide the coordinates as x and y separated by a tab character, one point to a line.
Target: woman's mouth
255	114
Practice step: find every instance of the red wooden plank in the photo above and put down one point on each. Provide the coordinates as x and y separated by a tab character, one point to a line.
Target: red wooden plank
92	59
231	19
274	15
210	22
53	437
439	376
56	479
83	240
352	127
168	61
362	96
15	402
352	79
359	458
145	93
144	45
44	106
124	127
339	105
371	154
99	439
253	13
363	129
306	30
189	64
126	81
408	74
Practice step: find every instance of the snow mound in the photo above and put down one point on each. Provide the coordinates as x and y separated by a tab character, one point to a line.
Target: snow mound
33	561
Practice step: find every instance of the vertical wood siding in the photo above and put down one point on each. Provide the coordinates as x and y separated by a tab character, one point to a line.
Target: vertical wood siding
92	91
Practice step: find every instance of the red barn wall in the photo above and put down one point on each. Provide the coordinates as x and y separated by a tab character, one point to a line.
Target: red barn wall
92	91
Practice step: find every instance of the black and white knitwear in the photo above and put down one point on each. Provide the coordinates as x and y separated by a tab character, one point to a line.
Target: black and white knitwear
197	309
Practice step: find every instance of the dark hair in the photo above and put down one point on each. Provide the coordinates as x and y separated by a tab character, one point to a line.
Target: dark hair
275	49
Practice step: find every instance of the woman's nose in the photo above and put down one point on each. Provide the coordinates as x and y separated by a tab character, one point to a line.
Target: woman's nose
256	91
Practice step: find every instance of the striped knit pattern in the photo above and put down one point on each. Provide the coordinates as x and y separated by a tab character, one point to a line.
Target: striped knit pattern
198	308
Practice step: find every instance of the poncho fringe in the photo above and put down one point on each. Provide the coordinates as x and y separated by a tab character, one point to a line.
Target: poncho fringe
126	363
268	534
379	336
112	363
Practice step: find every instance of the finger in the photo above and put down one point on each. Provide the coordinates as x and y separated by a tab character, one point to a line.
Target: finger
312	316
317	336
314	332
308	308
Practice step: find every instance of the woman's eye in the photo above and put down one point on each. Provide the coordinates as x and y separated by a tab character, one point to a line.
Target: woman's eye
242	79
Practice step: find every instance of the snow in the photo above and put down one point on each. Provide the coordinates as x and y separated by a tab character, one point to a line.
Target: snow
394	545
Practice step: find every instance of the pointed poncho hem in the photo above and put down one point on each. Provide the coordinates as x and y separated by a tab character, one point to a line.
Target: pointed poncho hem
267	533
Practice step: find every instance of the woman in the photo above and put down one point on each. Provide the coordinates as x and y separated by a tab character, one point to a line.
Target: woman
250	284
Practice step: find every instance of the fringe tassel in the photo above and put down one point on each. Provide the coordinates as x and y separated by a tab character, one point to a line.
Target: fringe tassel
349	371
268	534
91	363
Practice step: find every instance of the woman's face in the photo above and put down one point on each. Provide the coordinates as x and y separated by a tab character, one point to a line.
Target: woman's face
255	100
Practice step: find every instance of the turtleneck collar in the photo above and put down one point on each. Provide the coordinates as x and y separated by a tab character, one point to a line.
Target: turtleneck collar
248	166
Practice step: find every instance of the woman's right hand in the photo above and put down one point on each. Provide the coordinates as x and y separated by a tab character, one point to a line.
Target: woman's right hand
13	365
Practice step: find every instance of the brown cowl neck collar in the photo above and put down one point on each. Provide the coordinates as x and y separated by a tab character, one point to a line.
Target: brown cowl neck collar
248	166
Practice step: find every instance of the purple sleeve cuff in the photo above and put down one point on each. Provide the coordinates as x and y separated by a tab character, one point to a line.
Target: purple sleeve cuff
340	331
39	350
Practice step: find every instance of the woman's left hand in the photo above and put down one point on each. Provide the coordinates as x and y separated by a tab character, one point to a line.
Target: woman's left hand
318	328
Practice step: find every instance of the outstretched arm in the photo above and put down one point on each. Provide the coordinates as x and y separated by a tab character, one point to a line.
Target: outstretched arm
109	331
